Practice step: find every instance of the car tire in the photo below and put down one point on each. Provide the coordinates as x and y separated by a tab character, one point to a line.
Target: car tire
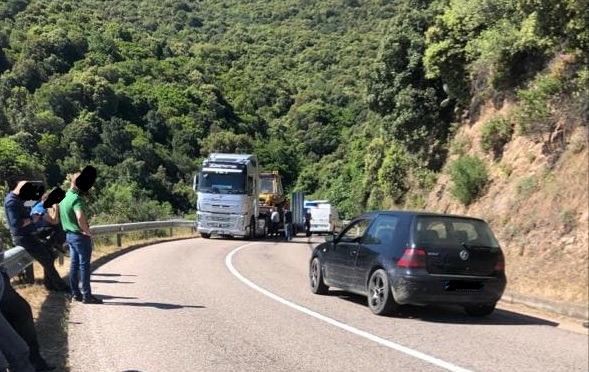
316	277
479	309
380	296
205	235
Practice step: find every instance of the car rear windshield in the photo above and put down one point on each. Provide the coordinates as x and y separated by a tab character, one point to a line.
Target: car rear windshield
451	229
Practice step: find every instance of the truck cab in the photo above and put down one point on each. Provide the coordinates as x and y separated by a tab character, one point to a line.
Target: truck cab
227	188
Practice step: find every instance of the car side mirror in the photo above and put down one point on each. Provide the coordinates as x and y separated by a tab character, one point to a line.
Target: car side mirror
330	237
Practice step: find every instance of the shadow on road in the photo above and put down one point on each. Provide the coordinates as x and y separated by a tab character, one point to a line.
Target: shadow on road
53	314
109	281
449	313
157	305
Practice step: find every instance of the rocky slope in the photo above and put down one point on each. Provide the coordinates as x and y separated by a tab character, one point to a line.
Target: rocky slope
537	203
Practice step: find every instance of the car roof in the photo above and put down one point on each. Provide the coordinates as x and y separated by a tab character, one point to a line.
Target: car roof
415	213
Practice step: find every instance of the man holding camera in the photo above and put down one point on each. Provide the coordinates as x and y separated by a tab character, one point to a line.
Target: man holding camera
22	228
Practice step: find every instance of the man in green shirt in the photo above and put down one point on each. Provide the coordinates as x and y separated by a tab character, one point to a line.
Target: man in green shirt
73	216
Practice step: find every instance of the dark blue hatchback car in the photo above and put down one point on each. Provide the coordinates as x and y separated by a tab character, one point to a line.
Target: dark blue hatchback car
408	257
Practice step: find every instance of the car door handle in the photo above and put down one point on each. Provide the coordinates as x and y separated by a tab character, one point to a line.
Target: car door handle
353	253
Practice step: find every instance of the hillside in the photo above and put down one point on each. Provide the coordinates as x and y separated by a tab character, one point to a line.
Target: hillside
371	104
538	205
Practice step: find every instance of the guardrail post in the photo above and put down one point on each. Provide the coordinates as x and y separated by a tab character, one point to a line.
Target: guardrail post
28	274
145	234
119	240
171	231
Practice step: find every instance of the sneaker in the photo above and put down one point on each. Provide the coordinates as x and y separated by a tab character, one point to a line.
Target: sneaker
91	300
43	366
76	297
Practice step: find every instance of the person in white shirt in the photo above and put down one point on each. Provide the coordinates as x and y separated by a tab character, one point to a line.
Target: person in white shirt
275	220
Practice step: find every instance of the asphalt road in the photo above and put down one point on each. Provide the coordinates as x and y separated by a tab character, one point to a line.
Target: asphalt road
234	305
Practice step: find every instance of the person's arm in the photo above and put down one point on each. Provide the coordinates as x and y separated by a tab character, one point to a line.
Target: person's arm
49	219
83	223
52	215
16	218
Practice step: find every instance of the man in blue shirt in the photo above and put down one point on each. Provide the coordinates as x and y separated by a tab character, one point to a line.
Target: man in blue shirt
22	228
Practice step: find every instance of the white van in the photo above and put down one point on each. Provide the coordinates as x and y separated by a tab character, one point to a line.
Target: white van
324	216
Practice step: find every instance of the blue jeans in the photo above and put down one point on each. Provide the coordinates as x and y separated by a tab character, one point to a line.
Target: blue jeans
80	253
288	231
18	337
13	348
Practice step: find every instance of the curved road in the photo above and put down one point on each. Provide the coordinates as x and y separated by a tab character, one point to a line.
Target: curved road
233	305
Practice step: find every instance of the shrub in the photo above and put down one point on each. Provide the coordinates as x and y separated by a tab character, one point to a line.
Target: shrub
469	175
495	134
567	219
527	186
535	115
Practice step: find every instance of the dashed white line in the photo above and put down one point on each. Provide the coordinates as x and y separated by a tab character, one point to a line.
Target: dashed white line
403	349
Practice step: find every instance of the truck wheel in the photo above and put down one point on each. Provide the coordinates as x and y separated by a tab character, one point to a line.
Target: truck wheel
252	228
205	235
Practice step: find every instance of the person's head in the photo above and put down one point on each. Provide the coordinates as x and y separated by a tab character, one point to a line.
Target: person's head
85	180
54	197
27	190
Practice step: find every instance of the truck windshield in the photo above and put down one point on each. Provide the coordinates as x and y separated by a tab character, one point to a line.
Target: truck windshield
267	185
223	183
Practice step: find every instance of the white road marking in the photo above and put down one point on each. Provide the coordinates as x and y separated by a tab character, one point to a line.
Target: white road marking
356	331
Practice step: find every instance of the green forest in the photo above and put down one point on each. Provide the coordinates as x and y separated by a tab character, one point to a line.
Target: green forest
355	101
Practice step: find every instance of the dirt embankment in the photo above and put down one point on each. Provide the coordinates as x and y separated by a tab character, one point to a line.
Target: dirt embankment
537	203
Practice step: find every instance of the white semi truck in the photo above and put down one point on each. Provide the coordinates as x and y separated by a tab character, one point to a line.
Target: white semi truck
227	189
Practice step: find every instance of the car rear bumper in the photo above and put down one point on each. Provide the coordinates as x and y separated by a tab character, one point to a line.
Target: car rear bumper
409	289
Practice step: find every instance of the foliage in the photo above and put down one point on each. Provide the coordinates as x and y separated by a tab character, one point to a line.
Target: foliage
393	172
535	114
495	134
127	203
527	186
5	236
351	101
469	177
16	164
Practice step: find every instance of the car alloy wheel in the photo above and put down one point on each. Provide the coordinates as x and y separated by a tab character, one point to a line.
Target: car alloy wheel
316	277
380	297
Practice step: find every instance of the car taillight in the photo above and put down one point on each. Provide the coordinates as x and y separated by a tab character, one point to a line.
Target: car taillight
500	265
412	258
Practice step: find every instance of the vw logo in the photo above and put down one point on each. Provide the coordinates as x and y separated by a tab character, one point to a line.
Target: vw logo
464	254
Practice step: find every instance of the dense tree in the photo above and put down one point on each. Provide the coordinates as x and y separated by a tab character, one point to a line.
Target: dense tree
349	100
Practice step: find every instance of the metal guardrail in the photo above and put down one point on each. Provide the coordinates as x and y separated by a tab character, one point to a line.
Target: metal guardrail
16	259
